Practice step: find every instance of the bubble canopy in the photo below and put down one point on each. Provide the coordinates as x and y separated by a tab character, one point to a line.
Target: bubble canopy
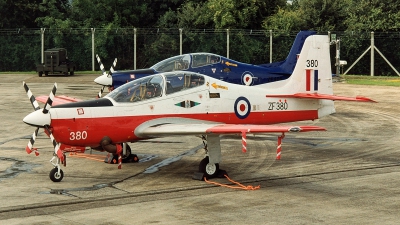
156	86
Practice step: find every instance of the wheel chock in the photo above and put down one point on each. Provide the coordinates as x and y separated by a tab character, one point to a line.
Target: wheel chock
200	176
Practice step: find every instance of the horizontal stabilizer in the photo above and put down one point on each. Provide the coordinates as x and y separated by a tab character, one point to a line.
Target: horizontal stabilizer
323	96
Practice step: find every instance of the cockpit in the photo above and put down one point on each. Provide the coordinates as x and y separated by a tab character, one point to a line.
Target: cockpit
182	62
155	86
204	59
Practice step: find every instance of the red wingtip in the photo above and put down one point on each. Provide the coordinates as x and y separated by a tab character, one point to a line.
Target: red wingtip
364	99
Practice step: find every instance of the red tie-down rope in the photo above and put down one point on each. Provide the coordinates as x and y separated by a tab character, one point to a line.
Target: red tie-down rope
240	186
87	156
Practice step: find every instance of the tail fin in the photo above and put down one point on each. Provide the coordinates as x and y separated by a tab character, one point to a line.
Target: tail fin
312	73
287	66
311	78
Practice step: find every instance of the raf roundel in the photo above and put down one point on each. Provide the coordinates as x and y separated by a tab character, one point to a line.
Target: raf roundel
242	107
247	78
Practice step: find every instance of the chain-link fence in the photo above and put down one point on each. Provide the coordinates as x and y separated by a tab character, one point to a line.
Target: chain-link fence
20	49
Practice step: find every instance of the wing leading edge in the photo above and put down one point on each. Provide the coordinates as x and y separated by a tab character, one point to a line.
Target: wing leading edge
191	129
323	96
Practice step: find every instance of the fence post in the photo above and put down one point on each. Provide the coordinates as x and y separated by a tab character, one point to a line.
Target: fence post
372	54
134	48
42	48
93	29
270	46
180	41
227	43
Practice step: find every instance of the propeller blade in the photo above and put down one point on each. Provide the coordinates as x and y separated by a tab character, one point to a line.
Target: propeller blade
100	92
105	77
29	148
31	97
49	101
57	150
101	65
112	67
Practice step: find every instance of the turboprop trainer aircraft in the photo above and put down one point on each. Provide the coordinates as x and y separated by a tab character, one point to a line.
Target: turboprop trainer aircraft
213	65
189	103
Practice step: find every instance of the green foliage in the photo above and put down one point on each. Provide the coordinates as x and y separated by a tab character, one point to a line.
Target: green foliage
373	15
237	13
319	15
19	14
204	22
285	21
16	55
324	15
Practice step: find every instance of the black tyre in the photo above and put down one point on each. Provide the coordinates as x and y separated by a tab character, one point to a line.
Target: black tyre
129	157
71	73
209	169
55	176
40	73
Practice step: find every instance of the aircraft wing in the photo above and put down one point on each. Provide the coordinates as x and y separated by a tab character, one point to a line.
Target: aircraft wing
192	129
323	96
61	99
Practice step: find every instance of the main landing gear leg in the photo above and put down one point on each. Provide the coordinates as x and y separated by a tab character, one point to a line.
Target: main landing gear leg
127	156
117	152
209	166
56	174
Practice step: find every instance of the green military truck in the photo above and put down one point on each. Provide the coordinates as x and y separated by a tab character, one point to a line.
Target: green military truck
56	62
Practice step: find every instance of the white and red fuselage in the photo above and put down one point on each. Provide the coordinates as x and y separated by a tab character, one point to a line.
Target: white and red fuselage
86	123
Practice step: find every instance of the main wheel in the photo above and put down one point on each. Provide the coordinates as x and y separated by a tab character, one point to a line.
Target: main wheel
208	168
40	73
129	157
55	176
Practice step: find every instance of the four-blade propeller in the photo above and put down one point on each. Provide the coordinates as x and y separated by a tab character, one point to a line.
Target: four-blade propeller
41	119
105	79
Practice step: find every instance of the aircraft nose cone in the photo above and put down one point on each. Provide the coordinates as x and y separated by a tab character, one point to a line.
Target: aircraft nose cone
104	80
37	119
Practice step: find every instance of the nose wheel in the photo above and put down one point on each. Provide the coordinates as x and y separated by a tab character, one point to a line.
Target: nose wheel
56	174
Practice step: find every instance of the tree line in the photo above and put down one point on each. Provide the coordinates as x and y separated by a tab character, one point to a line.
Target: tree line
68	21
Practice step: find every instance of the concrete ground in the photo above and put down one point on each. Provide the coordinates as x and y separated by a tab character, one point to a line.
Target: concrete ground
346	175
